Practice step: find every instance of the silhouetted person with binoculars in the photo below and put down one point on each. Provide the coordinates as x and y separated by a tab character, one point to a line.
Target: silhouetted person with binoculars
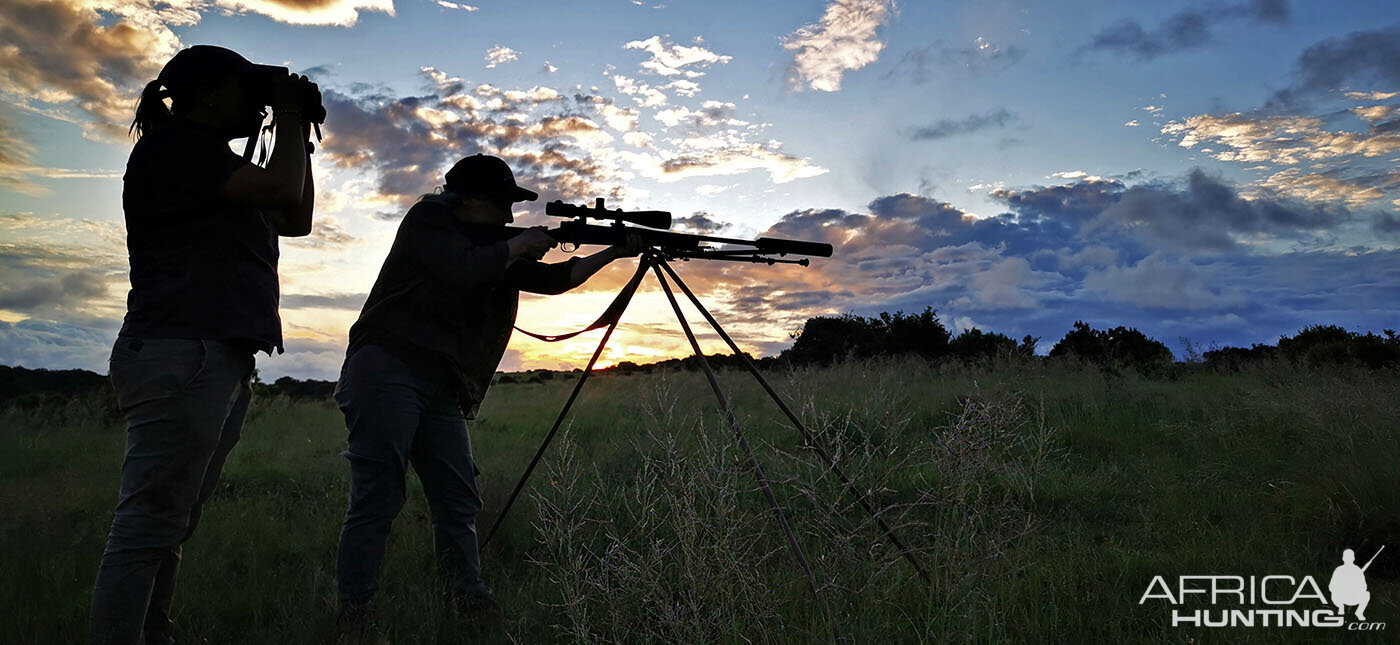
202	228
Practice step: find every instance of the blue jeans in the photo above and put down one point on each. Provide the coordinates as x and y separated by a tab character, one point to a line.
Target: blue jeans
396	418
184	402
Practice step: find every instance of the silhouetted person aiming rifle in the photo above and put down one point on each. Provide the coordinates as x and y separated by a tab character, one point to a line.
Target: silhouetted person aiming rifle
202	227
421	357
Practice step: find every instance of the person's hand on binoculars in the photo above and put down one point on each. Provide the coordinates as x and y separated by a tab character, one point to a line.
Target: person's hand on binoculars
531	244
290	93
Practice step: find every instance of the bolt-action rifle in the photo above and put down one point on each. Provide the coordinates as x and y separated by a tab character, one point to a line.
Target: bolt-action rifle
672	245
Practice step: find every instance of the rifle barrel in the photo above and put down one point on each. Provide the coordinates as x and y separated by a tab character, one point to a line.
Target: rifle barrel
1373	558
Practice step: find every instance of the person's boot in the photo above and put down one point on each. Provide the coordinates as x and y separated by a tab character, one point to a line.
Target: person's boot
355	624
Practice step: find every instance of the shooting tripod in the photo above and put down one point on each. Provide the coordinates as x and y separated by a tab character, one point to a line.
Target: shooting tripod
656	261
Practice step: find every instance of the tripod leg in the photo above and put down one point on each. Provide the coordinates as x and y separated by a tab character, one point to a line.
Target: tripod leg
806	434
753	460
519	485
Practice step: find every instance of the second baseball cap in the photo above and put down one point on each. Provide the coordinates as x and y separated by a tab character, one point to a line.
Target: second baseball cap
489	175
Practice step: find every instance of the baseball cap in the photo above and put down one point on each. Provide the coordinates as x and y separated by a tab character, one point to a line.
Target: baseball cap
488	175
209	62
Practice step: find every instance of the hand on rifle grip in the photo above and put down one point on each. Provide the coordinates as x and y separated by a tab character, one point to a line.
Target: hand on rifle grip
532	244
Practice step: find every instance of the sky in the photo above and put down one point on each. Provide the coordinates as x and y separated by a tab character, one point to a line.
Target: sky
1220	172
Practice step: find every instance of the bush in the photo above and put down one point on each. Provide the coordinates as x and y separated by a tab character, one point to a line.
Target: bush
1118	347
1330	345
825	339
1232	359
975	344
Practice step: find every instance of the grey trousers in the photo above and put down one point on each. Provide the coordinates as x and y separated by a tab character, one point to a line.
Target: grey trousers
184	402
395	418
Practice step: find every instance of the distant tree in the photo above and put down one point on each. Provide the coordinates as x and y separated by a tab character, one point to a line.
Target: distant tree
16	382
1082	341
824	339
919	333
296	389
1232	359
1117	347
1322	345
975	344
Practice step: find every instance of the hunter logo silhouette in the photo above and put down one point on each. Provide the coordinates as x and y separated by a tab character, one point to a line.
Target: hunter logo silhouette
1348	585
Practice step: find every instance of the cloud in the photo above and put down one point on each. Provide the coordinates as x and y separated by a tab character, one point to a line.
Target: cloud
1320	164
15	167
1386	223
37	251
1068	252
1160	282
338	13
644	95
1186	29
1277	139
85	62
1367	58
710	190
56	345
326	234
305	359
700	222
1207	215
500	55
1371	96
1331	186
71	289
1070	205
844	40
1374	113
67	53
410	141
457	6
563	146
670	59
343	301
736	159
944	128
983	57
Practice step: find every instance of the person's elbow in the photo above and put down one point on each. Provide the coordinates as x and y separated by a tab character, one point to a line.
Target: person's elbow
290	223
297	229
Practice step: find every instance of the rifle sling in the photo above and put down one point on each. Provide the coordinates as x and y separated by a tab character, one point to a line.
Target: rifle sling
609	316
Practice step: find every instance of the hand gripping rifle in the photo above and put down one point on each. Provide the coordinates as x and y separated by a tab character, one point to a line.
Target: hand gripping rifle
667	245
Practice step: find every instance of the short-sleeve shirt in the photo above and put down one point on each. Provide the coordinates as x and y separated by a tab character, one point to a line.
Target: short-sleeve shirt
445	300
201	266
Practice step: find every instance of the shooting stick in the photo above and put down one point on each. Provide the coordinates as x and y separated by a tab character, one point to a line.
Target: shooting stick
657	262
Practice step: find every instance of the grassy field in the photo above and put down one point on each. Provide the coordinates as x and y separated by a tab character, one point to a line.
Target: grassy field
1043	498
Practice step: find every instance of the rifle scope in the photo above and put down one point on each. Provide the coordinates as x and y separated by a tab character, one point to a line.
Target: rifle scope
649	219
